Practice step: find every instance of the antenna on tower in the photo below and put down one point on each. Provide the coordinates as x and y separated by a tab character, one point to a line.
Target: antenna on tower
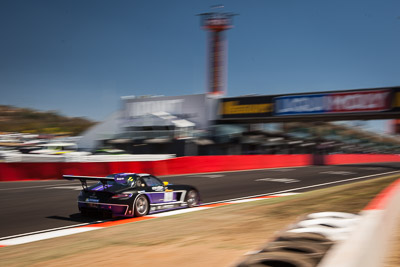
217	6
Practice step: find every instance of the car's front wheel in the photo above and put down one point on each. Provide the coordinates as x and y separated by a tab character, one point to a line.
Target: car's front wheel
192	198
141	206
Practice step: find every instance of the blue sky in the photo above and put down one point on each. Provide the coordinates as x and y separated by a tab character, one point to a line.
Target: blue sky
80	56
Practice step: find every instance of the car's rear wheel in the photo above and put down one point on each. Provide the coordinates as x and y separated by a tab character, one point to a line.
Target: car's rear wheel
192	198
141	206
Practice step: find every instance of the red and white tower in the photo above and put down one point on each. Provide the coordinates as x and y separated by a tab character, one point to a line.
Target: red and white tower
216	23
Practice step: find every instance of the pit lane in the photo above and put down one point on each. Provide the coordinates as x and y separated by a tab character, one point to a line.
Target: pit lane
31	206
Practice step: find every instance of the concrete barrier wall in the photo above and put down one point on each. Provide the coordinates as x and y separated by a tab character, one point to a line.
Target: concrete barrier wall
359	158
15	171
199	164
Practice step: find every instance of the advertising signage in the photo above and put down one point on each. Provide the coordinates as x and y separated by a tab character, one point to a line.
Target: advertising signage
244	107
396	100
328	103
362	104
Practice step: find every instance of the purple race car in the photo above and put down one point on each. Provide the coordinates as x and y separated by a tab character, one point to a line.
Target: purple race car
132	194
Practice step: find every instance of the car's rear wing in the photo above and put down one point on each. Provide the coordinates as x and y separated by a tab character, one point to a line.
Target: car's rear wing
84	179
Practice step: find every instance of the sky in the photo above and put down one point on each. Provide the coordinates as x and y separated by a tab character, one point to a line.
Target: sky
80	56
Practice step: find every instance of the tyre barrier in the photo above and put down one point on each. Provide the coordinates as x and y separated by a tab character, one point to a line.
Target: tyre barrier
304	243
369	243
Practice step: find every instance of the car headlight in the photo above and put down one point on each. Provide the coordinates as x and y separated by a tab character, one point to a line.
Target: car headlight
122	195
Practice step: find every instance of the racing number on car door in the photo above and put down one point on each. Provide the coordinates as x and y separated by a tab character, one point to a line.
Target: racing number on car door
168	196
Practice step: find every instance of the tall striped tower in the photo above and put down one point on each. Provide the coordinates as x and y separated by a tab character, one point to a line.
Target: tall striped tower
216	23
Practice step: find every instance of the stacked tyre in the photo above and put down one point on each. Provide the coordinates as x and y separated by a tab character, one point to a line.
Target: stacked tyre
305	243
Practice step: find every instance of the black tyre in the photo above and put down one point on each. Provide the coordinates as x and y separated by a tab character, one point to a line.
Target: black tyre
307	237
192	198
141	206
313	251
277	259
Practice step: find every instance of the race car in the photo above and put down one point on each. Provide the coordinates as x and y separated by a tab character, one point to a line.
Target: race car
132	194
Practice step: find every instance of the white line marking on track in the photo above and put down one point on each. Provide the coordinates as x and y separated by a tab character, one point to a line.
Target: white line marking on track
278	180
48	235
371	168
211	176
283	170
48	230
338	172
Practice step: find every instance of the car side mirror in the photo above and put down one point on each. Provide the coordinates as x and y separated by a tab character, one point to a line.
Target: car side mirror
165	183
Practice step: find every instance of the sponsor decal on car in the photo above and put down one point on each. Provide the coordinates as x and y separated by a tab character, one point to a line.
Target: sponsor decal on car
157	188
101	187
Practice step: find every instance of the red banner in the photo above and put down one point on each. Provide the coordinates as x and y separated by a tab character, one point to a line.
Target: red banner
360	101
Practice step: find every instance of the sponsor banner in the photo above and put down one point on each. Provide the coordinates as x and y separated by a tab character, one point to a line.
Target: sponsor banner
342	102
244	107
300	104
360	101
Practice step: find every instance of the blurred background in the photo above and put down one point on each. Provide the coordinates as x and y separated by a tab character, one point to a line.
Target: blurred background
138	77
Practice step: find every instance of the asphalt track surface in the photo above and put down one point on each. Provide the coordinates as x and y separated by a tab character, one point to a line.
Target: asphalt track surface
30	206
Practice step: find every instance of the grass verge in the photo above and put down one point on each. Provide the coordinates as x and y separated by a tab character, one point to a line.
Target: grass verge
214	237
